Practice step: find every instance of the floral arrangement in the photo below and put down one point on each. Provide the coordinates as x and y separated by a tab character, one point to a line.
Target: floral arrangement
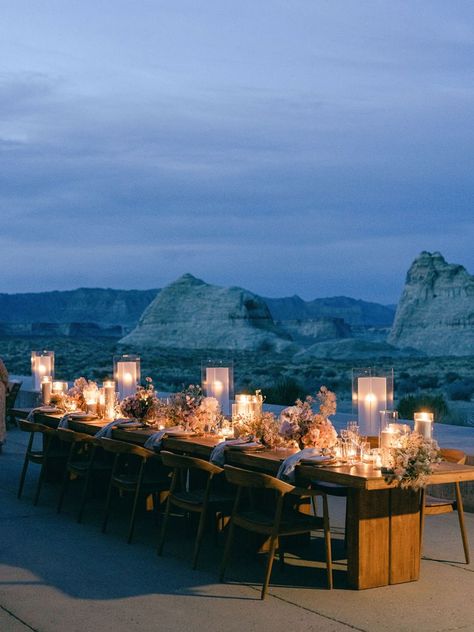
143	405
304	428
76	393
189	408
411	462
263	427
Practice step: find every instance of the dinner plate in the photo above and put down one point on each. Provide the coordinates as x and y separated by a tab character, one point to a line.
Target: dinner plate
49	409
320	460
130	424
81	415
180	433
253	445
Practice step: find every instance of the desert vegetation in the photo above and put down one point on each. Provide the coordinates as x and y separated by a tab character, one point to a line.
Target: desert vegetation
446	383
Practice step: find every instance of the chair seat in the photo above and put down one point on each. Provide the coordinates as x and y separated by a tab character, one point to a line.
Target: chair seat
333	489
291	523
196	497
130	481
37	456
435	505
81	467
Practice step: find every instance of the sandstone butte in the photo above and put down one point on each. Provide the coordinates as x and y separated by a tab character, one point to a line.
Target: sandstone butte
436	310
192	314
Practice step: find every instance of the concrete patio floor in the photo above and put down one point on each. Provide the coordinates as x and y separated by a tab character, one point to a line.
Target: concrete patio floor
59	576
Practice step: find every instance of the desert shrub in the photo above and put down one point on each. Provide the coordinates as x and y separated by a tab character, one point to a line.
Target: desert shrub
451	376
406	386
434	403
404	375
330	373
285	392
427	381
461	390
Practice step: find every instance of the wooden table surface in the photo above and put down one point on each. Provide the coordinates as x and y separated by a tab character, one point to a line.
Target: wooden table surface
383	526
359	476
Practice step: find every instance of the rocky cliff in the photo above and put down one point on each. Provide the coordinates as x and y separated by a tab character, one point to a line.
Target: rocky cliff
311	330
436	311
191	314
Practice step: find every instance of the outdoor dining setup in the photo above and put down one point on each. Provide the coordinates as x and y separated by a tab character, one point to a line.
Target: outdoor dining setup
237	466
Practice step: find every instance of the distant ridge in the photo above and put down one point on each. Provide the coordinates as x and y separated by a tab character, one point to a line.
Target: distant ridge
105	307
353	311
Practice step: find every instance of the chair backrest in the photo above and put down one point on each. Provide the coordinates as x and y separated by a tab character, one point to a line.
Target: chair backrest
31	426
70	436
170	459
122	447
453	456
12	393
255	480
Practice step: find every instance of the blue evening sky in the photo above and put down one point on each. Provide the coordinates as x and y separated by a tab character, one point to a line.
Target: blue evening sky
306	146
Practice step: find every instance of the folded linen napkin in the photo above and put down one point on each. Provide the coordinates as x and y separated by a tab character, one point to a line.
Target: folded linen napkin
217	455
286	471
64	421
154	441
40	409
106	431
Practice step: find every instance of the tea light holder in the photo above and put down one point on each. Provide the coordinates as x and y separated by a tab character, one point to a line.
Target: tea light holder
218	381
372	391
109	399
59	387
127	374
424	424
46	388
249	406
91	397
42	365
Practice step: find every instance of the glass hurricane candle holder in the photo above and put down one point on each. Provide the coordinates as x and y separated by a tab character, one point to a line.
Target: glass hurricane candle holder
424	424
42	365
372	391
127	374
217	379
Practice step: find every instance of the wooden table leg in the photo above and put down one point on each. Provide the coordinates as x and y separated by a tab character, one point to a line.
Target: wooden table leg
383	539
404	536
368	536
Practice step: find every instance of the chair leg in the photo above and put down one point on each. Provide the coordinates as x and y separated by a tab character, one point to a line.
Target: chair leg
462	526
107	507
85	489
164	525
83	497
422	518
268	571
64	487
23	476
327	539
200	533
135	505
228	546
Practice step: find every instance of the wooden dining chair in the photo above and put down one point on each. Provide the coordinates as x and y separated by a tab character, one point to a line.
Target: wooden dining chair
432	506
203	500
273	523
49	451
338	490
136	471
13	389
82	463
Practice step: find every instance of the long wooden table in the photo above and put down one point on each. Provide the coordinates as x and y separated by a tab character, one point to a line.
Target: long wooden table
383	527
